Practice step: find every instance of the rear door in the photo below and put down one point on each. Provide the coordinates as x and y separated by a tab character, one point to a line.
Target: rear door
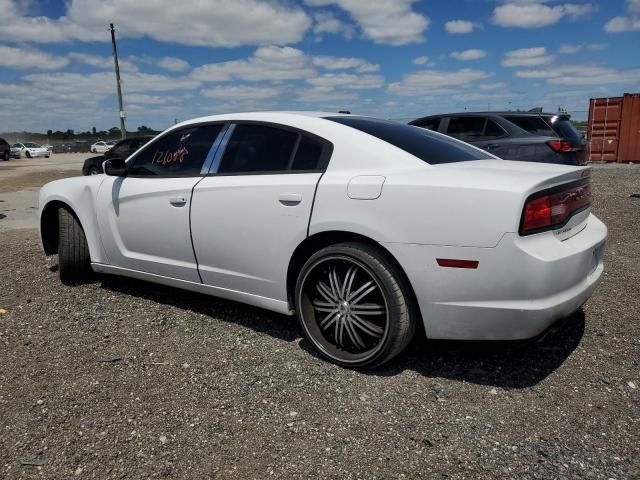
144	218
250	214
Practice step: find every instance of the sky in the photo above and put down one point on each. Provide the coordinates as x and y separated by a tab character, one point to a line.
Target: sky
398	59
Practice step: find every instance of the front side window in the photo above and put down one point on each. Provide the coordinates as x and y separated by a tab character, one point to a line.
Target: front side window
257	148
122	149
178	154
428	146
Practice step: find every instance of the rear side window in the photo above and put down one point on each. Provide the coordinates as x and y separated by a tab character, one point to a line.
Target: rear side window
493	130
255	148
3	141
178	154
532	124
565	128
466	129
308	156
429	147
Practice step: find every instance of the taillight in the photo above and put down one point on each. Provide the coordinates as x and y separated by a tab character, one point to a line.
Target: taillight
553	208
559	146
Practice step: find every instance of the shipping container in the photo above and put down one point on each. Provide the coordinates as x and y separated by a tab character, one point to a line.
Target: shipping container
613	133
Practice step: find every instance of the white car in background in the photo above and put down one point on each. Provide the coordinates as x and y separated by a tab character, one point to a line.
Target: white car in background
102	146
29	150
362	227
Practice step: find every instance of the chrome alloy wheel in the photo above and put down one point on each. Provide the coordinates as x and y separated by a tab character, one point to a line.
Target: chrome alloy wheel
344	309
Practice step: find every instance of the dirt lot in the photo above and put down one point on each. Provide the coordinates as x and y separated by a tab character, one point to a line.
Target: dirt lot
125	379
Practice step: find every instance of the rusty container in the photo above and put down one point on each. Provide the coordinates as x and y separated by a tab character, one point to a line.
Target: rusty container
613	132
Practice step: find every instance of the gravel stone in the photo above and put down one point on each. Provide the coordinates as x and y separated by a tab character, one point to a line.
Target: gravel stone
143	381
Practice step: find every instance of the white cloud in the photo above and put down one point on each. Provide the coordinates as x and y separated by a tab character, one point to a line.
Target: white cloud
493	86
420	60
242	92
173	64
343	63
570	49
622	24
267	63
23	59
431	82
472	54
103	62
327	22
214	23
527	57
391	22
533	14
583	75
324	94
347	80
459	26
629	23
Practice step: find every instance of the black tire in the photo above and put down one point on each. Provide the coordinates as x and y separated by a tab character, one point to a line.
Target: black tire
5	156
73	252
93	170
27	154
376	340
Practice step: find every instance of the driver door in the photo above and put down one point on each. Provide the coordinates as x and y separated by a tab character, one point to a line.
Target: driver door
144	217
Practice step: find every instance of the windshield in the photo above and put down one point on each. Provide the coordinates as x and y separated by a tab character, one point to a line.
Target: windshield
428	146
32	145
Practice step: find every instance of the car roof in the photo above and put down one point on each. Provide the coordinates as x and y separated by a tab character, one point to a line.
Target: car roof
494	113
268	116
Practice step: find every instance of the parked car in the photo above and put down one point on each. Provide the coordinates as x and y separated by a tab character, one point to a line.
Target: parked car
29	150
526	136
102	146
122	149
363	227
5	150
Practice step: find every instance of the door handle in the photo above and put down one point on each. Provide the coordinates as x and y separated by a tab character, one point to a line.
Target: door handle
178	201
290	199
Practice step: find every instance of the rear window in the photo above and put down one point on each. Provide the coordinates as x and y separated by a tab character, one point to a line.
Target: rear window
565	128
532	124
424	144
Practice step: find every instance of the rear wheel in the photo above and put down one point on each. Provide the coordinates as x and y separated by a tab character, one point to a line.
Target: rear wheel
354	305
73	252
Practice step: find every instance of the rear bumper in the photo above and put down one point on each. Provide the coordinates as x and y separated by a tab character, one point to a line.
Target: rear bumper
519	289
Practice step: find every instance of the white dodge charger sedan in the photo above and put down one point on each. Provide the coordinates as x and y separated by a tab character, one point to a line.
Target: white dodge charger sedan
364	228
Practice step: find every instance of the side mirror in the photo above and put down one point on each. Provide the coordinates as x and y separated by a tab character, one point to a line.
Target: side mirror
116	167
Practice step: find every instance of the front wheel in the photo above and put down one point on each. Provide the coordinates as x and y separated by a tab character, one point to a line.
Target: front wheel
94	170
27	154
73	252
354	305
5	156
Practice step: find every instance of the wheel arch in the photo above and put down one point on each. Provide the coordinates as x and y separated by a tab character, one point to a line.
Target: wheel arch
49	226
320	240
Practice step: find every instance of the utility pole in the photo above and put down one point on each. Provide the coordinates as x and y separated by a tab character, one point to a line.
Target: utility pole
123	130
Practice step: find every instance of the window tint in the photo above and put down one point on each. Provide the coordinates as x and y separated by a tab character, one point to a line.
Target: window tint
179	154
565	128
308	155
121	150
532	124
493	130
254	148
32	145
466	128
431	124
428	146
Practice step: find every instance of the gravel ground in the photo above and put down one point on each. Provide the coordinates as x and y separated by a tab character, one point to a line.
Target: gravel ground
125	379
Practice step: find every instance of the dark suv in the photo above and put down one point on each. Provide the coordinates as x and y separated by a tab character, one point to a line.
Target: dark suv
5	150
122	149
526	136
